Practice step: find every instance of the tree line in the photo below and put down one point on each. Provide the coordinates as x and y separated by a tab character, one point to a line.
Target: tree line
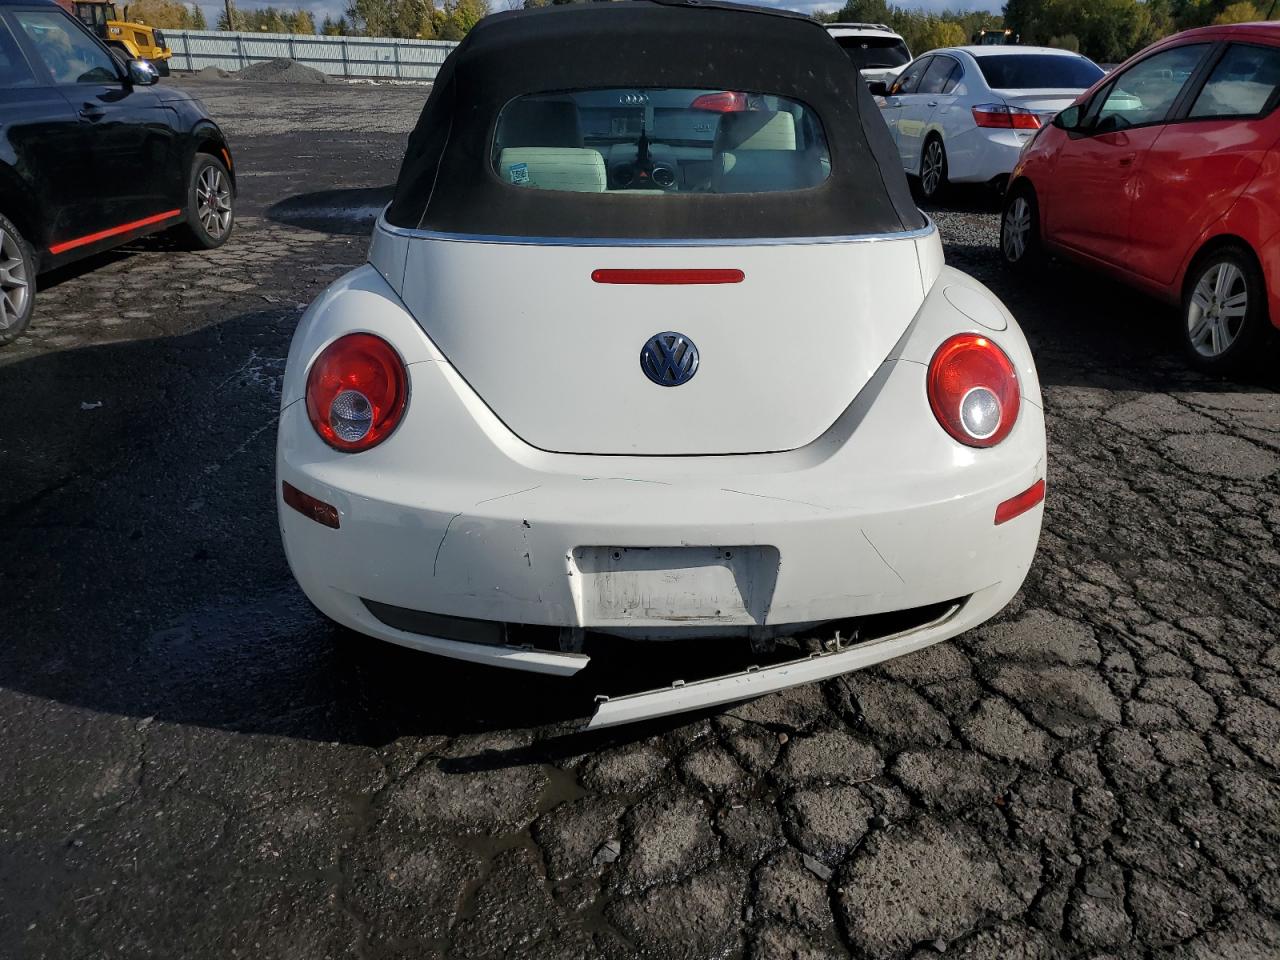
167	14
172	15
420	19
1107	31
1110	30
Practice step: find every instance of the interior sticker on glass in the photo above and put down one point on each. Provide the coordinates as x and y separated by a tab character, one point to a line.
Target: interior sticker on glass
519	173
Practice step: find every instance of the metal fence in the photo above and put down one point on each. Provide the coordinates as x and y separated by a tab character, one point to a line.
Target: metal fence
336	56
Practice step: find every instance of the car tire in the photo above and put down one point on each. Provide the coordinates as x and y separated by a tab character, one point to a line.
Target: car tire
17	282
210	204
933	169
1225	321
1020	246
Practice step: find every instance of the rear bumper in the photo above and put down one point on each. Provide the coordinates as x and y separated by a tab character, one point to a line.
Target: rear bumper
979	155
883	513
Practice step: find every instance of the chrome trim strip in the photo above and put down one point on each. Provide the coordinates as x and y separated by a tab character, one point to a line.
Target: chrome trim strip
418	234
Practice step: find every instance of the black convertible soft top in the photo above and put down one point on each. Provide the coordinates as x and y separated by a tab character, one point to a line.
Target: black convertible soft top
447	182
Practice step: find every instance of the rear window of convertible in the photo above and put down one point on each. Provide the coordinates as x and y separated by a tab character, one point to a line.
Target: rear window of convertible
659	141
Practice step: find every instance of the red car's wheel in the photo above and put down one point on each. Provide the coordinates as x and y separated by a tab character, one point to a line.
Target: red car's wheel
1224	309
1020	229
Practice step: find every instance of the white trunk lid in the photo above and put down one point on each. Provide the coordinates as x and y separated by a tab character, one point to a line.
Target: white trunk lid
556	355
1041	101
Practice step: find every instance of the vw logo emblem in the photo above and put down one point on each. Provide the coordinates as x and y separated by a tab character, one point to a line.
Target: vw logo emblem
669	359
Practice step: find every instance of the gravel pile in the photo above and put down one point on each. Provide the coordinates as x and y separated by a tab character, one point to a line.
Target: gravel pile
282	70
213	73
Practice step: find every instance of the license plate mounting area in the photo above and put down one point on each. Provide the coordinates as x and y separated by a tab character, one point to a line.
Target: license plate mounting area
654	586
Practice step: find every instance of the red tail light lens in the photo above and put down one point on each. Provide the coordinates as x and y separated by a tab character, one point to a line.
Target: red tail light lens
726	102
356	392
1006	117
973	390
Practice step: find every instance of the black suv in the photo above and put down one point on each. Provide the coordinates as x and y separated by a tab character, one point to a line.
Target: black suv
92	155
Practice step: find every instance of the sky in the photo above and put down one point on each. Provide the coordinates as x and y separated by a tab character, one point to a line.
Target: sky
333	8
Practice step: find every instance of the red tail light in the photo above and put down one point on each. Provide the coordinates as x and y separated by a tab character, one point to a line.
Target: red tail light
973	390
356	392
1007	117
725	102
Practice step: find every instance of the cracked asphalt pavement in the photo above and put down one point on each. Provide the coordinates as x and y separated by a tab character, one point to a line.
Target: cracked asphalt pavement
193	764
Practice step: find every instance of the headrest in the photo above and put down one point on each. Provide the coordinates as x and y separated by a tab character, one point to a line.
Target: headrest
554	168
540	123
757	171
756	130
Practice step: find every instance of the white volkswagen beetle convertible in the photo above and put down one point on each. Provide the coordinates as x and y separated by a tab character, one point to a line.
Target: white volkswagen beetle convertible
652	344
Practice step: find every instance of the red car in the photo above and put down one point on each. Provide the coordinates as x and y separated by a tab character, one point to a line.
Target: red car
1166	175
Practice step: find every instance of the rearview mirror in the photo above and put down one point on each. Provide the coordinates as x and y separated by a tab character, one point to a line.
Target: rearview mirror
142	73
878	88
1067	119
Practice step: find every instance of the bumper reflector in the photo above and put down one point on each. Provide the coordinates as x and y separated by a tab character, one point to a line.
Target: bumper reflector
309	506
1016	506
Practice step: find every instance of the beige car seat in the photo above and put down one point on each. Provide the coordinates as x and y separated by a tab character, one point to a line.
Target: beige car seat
755	151
575	169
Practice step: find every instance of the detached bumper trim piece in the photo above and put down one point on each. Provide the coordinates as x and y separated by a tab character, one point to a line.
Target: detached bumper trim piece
749	683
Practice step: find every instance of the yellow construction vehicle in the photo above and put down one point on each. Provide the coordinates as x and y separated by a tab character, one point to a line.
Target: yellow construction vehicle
133	40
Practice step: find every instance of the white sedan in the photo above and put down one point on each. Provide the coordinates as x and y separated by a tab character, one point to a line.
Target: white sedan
635	362
962	114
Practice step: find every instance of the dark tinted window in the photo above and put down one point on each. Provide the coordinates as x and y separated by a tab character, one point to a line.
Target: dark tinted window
1030	71
910	77
939	74
1243	84
867	52
14	69
92	14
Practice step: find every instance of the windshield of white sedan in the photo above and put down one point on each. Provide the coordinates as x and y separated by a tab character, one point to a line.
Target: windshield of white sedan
1031	71
659	141
870	52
